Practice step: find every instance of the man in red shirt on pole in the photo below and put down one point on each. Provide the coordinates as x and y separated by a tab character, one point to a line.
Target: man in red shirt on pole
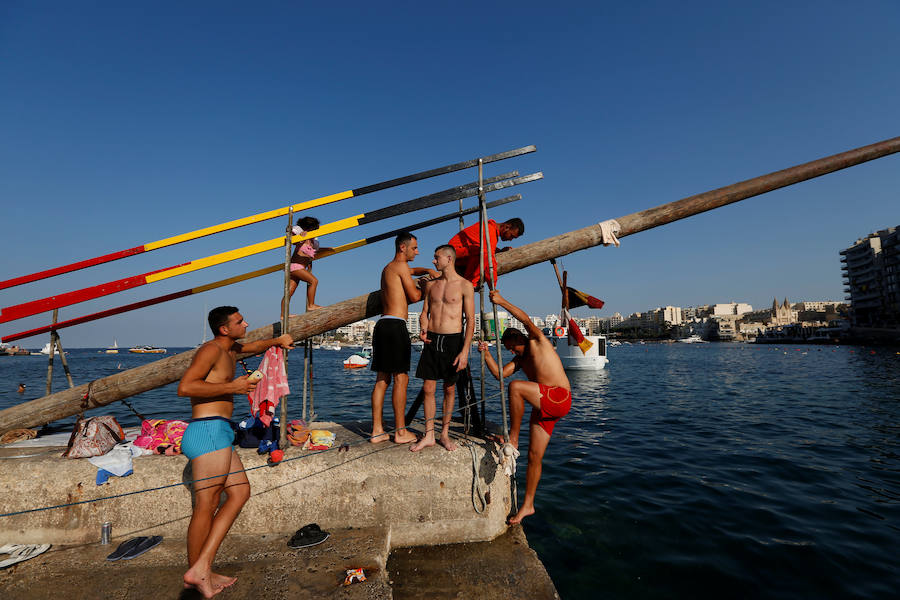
466	244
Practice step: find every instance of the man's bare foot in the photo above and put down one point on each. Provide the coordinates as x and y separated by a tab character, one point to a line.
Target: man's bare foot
222	581
447	443
404	437
201	581
525	511
312	306
377	438
493	437
426	441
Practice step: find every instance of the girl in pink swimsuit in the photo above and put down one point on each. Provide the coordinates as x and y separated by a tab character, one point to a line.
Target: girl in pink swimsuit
301	261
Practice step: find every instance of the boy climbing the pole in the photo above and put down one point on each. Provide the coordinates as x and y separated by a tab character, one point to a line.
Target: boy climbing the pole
446	350
301	261
547	390
467	245
391	348
210	383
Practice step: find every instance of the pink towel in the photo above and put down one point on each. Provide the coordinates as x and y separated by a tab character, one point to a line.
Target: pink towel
272	387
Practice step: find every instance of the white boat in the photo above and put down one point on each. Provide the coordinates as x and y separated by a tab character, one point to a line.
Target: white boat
573	359
45	349
147	350
331	346
694	339
114	349
358	361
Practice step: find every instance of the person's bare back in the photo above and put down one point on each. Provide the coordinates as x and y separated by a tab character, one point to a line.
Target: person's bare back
541	364
396	278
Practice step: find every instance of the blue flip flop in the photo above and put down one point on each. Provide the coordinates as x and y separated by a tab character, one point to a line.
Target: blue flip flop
145	545
125	547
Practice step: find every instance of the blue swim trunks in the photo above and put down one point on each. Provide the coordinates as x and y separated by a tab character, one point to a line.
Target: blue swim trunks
206	435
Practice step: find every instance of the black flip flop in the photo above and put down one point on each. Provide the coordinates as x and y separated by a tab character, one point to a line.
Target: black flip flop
308	535
125	547
147	544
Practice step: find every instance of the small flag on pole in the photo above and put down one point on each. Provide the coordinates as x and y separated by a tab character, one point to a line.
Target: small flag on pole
577	299
575	334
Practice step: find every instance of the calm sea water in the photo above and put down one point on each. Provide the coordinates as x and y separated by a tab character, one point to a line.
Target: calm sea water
683	471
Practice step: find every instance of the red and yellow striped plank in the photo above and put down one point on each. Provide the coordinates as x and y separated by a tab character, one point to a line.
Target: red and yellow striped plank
142	304
27	309
178	239
264	216
238	278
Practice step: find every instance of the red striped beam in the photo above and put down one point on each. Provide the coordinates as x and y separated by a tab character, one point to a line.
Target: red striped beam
257	218
231	280
27	309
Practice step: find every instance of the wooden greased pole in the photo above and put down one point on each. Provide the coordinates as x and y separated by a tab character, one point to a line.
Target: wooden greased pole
285	315
168	370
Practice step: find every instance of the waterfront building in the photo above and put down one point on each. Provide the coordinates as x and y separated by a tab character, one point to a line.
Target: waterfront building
870	271
412	323
730	308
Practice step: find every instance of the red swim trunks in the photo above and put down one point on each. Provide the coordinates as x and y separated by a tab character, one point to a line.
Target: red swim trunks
555	404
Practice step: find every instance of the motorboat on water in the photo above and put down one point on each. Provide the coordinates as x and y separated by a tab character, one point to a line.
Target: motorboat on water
45	349
694	339
331	346
573	359
114	349
147	350
360	359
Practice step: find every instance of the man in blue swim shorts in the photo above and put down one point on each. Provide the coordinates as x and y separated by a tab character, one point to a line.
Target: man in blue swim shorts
208	442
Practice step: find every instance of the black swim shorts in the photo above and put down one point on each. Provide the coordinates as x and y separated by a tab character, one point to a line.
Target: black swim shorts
390	346
438	356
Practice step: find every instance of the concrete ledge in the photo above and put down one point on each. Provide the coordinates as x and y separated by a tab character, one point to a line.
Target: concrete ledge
264	565
421	498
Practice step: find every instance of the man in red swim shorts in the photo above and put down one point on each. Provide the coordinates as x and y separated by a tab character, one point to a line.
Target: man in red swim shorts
547	390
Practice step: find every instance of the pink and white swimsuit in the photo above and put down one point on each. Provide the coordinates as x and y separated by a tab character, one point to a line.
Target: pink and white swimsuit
304	251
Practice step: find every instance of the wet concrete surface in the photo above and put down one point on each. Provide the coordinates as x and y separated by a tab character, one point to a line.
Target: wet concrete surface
505	568
267	568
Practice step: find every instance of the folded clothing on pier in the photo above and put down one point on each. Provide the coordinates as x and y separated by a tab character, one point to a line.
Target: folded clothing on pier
161	436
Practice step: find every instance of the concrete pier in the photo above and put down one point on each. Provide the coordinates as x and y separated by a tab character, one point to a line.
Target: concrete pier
374	498
423	498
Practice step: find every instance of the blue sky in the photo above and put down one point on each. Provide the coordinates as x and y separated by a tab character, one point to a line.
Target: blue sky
124	123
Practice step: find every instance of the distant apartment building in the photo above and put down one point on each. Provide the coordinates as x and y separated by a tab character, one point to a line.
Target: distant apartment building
816	306
412	323
870	270
615	320
670	314
729	308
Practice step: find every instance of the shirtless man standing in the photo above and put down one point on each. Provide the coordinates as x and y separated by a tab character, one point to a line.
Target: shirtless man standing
447	353
547	390
391	347
209	382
